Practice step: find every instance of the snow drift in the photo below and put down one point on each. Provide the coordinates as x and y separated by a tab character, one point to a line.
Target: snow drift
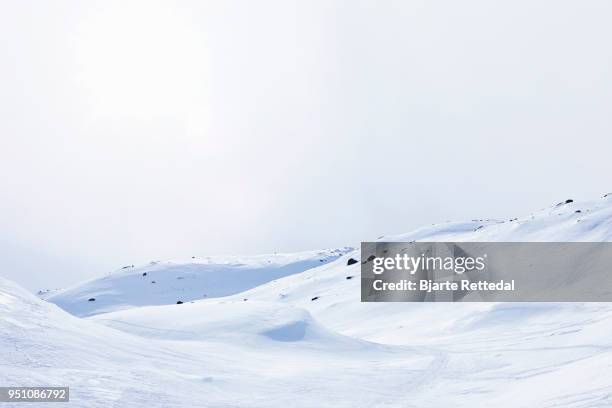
302	338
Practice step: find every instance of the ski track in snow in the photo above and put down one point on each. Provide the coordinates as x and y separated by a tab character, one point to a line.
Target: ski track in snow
250	335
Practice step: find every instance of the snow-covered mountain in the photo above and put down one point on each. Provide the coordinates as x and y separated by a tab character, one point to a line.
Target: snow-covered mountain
302	338
164	283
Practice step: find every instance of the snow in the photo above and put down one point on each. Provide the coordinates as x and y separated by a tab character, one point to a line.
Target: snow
164	283
267	343
260	355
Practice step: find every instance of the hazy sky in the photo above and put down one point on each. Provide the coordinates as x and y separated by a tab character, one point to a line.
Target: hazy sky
141	130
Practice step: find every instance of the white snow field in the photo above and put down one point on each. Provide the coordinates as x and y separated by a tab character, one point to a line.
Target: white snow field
302	338
162	283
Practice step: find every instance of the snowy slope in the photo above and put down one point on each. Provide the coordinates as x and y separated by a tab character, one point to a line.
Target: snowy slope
239	354
163	283
507	355
339	297
588	221
42	345
498	353
306	340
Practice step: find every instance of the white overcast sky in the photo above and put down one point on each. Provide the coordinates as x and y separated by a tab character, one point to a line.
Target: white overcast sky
141	130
